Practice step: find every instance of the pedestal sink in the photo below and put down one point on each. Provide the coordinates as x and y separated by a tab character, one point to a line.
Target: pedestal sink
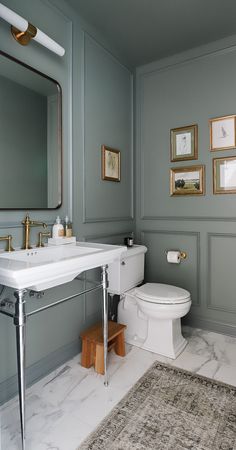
42	268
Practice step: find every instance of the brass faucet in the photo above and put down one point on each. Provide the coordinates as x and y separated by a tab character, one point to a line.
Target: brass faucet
8	238
27	224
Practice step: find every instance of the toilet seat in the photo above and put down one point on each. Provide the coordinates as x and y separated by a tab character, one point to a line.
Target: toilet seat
162	294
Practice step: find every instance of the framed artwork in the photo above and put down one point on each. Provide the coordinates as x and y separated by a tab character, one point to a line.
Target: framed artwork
187	180
184	143
222	133
224	175
110	164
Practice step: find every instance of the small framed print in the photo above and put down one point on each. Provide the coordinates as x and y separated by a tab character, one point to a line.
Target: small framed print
222	133
184	143
187	180
110	164
224	175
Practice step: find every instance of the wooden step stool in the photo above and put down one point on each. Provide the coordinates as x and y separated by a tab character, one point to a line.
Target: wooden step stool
92	344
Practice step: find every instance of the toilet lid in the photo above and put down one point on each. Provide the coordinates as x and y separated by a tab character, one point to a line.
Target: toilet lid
162	293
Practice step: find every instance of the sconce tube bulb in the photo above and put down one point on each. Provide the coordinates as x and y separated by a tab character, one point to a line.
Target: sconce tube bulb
12	18
49	43
21	24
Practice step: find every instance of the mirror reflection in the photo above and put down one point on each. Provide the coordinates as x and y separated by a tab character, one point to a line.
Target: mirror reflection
30	137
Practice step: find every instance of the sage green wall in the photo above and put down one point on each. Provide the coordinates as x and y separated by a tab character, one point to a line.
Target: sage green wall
183	90
13	150
97	109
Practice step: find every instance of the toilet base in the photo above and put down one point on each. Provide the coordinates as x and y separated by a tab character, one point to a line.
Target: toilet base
165	338
162	336
134	340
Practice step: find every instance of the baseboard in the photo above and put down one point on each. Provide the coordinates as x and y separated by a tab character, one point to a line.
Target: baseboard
9	387
210	325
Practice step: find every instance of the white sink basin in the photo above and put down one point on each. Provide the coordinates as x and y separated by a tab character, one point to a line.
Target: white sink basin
48	255
43	268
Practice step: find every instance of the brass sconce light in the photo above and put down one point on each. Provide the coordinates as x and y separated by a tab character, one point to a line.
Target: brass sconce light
24	37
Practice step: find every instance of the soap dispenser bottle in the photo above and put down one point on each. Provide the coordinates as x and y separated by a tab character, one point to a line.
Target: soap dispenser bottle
67	227
57	229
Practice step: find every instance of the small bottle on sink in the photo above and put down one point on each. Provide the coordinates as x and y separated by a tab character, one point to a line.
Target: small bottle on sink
57	229
67	227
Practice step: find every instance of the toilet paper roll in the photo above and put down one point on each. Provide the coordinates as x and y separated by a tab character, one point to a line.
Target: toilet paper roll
173	257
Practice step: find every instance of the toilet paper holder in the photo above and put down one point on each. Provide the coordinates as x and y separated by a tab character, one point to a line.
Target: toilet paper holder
182	255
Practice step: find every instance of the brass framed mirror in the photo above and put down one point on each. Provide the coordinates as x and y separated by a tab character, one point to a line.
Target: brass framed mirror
30	137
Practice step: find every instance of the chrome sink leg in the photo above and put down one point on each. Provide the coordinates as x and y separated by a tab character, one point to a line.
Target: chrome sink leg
19	322
105	319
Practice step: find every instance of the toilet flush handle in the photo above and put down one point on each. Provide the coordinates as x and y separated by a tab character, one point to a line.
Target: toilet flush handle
123	263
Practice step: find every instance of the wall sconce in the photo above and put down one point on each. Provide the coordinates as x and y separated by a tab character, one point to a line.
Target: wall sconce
23	31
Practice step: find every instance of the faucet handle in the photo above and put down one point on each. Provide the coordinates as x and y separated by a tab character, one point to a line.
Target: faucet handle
8	238
9	244
41	235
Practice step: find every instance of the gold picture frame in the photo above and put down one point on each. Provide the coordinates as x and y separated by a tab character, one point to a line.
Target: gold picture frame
222	133
110	164
187	180
184	143
224	175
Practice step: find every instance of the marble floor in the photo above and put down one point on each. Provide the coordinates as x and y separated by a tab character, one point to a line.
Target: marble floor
64	407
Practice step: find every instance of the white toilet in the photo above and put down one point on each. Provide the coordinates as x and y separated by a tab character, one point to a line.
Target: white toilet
152	311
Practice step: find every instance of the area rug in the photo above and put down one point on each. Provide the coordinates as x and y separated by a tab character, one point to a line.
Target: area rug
170	408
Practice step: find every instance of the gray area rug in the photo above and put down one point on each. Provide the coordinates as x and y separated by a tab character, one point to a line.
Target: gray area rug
170	408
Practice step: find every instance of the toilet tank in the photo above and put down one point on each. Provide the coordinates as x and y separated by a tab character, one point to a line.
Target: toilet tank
128	271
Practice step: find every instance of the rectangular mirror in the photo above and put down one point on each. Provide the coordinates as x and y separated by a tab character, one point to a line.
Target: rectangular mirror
30	137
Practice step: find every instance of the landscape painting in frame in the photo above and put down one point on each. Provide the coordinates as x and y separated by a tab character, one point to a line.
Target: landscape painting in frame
224	175
110	164
184	143
222	133
187	180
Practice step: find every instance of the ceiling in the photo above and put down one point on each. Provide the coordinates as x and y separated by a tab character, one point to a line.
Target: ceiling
146	30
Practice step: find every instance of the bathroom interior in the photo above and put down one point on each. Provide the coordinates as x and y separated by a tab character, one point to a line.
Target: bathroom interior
128	80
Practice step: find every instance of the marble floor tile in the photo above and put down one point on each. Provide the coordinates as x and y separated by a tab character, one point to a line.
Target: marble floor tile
209	369
66	405
213	345
189	361
227	374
